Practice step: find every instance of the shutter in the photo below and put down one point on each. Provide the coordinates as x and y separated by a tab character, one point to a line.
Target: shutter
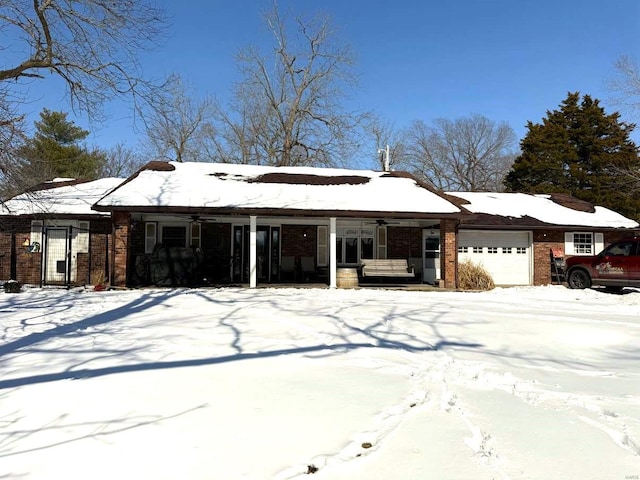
599	243
568	243
36	235
323	246
382	242
195	235
150	236
82	239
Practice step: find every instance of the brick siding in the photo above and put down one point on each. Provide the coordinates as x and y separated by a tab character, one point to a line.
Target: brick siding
449	253
299	240
404	242
121	241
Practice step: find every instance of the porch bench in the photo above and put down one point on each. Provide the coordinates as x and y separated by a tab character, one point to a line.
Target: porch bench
387	267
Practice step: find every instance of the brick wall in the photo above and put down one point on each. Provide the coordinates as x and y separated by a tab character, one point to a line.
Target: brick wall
121	241
5	255
449	253
543	242
404	242
28	265
299	240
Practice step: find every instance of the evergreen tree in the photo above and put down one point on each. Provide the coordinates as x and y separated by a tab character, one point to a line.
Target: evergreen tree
580	150
56	150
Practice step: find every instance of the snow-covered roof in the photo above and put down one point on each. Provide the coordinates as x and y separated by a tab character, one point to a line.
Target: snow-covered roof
549	209
70	198
278	189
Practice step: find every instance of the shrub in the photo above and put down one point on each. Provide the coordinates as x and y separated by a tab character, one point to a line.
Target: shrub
472	276
99	282
12	286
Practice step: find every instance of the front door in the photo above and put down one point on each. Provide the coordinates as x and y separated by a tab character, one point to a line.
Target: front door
56	254
430	256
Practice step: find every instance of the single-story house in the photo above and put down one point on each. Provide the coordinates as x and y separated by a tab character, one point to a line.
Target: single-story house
517	236
195	223
51	235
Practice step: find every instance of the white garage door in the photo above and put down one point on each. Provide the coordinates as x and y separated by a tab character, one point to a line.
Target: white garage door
505	255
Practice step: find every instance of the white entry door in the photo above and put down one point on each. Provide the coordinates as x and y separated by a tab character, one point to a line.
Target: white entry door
430	256
56	254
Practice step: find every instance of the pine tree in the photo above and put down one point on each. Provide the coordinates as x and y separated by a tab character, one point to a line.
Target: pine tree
56	150
580	150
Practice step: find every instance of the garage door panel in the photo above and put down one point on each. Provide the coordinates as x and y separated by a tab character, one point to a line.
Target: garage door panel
505	255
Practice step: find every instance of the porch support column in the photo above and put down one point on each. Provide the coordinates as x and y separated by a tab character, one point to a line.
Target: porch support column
449	257
253	256
121	242
332	252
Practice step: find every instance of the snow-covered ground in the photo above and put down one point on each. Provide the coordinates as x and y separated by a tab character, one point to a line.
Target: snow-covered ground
519	383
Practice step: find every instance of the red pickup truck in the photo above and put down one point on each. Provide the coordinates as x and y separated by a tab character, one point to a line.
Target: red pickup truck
617	266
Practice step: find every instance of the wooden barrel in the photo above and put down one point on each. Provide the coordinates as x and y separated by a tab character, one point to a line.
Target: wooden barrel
346	278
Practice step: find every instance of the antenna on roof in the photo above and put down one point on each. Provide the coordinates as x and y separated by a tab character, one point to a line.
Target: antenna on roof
384	153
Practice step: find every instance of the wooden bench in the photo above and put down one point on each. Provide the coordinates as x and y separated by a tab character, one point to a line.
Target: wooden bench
387	267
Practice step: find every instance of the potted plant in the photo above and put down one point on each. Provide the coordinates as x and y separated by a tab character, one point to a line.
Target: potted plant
12	286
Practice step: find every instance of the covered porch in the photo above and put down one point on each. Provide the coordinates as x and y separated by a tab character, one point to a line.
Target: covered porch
256	250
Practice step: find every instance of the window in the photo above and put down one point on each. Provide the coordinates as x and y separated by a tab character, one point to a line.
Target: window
620	249
492	249
521	250
174	236
366	243
583	243
506	250
462	249
477	249
353	244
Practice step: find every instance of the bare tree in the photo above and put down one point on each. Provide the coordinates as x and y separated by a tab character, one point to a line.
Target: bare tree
288	108
467	154
179	126
92	45
625	86
121	162
385	135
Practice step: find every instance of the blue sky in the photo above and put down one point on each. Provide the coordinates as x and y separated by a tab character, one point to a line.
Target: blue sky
508	60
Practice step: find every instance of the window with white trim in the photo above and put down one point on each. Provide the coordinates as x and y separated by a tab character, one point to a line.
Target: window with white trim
583	243
354	244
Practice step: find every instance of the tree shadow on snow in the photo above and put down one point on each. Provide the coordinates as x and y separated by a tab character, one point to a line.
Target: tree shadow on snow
378	334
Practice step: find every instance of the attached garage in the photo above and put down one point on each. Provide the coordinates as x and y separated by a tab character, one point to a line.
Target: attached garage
506	255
